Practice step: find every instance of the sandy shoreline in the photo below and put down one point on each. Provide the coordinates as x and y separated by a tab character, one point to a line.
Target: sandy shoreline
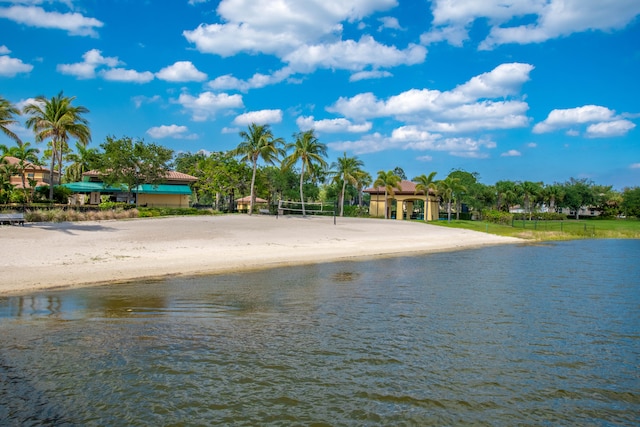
53	255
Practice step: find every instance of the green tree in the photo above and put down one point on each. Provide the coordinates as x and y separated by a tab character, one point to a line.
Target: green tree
346	172
309	151
7	113
461	195
391	182
57	119
83	160
26	155
530	193
132	163
363	179
507	195
552	194
631	201
447	188
577	193
258	143
426	183
400	172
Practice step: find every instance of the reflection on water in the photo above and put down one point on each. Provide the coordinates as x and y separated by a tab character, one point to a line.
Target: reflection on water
499	336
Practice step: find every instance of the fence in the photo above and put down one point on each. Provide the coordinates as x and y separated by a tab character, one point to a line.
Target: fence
571	227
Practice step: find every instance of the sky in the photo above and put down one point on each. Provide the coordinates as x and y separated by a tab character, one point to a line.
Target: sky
523	90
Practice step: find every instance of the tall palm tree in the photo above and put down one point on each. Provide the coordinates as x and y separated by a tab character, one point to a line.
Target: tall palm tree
346	171
82	161
363	179
257	143
426	183
7	111
390	181
310	151
57	119
447	188
530	192
26	155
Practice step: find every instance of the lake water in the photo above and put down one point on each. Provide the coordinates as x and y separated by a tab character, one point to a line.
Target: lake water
511	335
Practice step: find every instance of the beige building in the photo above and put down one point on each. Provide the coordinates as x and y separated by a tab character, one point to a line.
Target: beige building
403	201
172	192
31	172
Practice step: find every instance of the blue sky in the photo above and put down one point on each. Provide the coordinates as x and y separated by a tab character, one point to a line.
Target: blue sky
540	90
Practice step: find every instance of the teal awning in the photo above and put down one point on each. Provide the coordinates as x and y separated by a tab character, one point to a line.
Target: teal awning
88	187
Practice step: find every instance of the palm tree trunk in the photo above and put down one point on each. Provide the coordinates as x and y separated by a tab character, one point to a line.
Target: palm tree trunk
301	193
386	209
53	157
344	184
253	181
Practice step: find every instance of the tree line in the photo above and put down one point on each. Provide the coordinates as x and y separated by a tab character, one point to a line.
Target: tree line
263	165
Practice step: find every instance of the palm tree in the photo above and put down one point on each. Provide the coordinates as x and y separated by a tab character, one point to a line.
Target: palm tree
530	191
447	188
363	179
257	143
507	195
310	151
82	160
426	183
346	171
25	155
390	181
552	193
7	111
57	119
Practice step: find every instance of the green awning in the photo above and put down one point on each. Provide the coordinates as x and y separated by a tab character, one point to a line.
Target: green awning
163	189
88	187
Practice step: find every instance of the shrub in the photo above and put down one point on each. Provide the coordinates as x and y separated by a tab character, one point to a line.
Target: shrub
497	217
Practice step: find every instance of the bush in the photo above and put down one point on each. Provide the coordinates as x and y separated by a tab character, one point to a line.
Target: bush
497	217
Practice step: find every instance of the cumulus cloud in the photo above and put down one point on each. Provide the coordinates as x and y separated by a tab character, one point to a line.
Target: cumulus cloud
181	71
511	153
466	108
543	19
332	125
74	23
602	122
170	131
208	104
86	69
123	75
305	36
366	75
389	22
258	80
415	137
261	117
10	67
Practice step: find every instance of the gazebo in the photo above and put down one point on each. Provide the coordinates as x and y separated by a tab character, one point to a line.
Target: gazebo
243	203
405	199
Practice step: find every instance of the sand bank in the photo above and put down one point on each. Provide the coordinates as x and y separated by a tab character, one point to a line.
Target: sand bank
51	255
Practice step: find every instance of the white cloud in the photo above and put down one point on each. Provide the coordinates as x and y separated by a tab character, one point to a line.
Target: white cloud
141	100
278	26
73	23
424	158
547	19
4	50
123	75
86	69
532	145
389	22
414	137
304	35
511	153
635	166
170	131
463	109
609	129
208	104
181	71
365	75
10	67
602	121
258	80
260	117
352	55
332	125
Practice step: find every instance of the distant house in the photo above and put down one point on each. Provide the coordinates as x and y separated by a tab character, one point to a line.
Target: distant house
173	191
403	201
31	172
243	203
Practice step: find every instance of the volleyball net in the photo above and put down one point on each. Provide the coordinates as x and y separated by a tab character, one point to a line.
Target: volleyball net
286	207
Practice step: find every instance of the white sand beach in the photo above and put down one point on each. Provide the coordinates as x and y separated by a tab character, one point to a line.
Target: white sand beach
53	255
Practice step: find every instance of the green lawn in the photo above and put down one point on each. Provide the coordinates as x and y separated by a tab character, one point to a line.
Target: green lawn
555	230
